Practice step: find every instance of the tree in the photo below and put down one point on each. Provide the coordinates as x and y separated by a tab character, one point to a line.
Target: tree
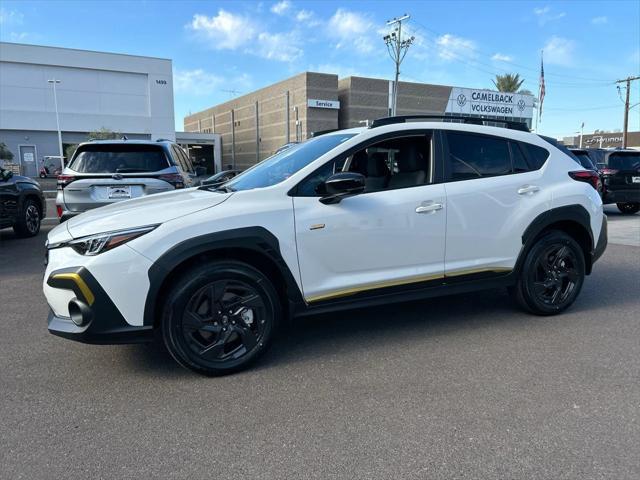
509	82
5	153
102	134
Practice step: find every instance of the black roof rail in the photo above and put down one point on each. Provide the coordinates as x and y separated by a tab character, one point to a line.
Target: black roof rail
322	132
163	140
470	120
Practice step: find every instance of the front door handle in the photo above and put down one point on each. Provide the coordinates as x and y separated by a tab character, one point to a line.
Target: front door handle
523	190
429	207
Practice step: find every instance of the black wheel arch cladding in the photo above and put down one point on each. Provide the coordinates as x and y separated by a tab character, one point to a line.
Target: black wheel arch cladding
253	242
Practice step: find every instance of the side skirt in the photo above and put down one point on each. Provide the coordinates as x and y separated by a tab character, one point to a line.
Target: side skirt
418	291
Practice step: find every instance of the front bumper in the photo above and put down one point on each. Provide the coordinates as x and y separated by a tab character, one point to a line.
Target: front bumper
93	316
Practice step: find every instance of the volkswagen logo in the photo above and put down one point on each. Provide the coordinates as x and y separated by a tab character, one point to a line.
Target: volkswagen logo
521	105
462	100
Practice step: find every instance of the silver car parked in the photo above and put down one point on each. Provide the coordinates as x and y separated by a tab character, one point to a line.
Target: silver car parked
108	171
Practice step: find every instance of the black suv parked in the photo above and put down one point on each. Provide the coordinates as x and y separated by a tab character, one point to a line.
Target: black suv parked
22	204
620	170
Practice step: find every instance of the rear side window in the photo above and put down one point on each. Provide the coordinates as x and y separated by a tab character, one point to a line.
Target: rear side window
475	156
519	161
119	159
561	147
536	156
624	161
181	159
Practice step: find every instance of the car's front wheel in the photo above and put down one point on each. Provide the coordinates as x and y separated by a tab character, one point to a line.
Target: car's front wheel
628	208
552	274
220	317
29	219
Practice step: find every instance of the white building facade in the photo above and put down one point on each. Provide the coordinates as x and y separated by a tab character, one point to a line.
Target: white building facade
131	95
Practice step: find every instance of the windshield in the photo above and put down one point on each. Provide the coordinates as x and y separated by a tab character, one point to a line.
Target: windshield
624	161
281	166
119	159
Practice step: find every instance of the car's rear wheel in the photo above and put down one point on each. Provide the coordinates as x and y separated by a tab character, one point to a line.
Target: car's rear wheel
28	222
552	274
220	317
628	208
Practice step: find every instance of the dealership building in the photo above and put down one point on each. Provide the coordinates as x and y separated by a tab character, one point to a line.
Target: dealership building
130	95
603	140
253	126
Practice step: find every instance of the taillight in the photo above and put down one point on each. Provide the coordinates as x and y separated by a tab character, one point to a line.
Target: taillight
64	180
588	176
59	211
174	179
608	171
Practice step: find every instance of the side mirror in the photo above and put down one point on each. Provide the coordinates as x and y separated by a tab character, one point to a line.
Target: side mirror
342	185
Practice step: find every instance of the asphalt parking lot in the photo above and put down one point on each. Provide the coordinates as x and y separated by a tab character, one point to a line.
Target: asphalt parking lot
458	387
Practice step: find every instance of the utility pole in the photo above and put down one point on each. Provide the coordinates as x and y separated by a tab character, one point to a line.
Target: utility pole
625	128
397	48
54	82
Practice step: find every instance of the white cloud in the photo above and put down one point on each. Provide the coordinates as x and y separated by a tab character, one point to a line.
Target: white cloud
278	46
228	31
281	8
198	82
10	17
304	15
225	31
352	29
19	36
599	20
499	57
546	15
453	47
559	51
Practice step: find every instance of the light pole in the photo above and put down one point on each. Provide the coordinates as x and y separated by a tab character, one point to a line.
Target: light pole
581	133
54	82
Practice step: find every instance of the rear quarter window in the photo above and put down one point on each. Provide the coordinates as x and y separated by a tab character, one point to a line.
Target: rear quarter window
536	156
119	159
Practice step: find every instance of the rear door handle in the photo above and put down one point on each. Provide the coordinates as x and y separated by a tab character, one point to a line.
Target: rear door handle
427	207
523	190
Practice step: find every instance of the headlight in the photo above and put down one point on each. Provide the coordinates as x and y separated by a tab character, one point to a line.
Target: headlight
101	242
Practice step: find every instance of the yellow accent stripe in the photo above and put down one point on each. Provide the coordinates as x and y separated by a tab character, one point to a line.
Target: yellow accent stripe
77	279
404	281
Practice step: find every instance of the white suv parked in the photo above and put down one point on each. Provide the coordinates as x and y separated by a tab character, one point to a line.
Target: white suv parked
401	210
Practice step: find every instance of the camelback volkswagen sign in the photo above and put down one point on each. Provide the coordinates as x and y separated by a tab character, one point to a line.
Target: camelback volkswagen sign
489	103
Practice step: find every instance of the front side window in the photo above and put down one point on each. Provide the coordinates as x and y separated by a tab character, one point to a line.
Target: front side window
386	165
281	166
476	156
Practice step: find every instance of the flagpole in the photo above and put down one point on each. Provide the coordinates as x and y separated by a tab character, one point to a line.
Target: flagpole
539	92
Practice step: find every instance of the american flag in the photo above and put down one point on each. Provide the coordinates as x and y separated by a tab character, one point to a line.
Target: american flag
542	88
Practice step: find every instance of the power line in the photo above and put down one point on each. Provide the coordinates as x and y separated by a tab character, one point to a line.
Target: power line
475	50
625	127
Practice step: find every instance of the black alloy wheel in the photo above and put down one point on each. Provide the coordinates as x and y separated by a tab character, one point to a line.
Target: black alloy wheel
220	317
628	208
28	223
552	275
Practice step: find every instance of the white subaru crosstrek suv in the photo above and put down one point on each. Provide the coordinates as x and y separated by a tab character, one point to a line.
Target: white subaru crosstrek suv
406	209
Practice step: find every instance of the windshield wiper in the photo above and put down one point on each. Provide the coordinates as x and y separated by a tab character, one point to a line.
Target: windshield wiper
221	188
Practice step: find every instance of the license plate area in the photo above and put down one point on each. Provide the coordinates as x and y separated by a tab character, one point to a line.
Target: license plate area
635	179
119	192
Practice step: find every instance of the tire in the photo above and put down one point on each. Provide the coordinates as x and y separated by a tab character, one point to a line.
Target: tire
29	219
43	175
628	208
220	317
551	276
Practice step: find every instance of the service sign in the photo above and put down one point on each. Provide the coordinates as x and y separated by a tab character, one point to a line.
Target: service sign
332	104
486	102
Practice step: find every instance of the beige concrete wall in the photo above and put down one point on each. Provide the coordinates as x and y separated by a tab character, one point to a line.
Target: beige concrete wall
272	117
368	99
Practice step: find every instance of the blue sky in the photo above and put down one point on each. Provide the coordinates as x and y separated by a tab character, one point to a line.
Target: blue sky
222	46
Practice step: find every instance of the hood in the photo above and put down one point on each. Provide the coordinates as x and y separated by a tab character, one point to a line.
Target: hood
149	210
